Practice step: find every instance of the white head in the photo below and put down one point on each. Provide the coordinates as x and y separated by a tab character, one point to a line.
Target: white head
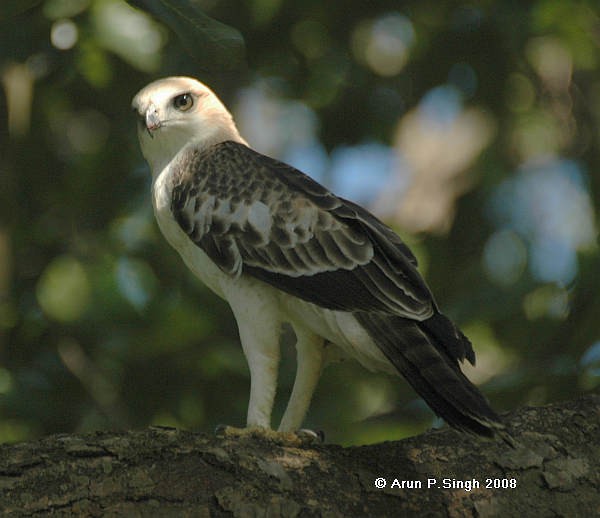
177	111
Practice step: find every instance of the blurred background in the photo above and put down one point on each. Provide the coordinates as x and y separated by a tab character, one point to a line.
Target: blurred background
472	128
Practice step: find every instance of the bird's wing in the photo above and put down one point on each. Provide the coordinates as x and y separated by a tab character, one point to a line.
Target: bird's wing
259	216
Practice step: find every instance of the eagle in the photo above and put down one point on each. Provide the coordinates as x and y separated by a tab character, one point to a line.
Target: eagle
281	248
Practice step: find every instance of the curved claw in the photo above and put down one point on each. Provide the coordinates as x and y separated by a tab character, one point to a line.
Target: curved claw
222	429
313	435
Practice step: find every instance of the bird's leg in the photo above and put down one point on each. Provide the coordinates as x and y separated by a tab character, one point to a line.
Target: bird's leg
309	350
263	365
260	343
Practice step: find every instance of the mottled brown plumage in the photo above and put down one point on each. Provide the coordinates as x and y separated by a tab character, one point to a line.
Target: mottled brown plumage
308	237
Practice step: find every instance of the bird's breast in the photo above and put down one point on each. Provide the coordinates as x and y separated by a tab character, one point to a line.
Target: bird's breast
193	256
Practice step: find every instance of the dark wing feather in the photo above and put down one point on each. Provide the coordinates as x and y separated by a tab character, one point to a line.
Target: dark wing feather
255	214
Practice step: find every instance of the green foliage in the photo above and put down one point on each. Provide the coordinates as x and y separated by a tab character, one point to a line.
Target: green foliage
494	111
214	46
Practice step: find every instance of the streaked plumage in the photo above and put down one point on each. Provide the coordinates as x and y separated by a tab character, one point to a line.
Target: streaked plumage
279	248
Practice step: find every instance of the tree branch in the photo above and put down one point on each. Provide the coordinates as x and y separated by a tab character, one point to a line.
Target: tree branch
162	471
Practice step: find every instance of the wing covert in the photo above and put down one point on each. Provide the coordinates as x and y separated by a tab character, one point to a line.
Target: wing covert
259	216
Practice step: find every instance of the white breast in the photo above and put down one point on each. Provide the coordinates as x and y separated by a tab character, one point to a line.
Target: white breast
193	256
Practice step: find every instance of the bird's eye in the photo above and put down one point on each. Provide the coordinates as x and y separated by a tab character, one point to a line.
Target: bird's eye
183	102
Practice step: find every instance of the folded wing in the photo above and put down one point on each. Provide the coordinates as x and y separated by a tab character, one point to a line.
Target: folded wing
256	215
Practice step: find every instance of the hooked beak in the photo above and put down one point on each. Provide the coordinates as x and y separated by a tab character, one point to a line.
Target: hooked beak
151	119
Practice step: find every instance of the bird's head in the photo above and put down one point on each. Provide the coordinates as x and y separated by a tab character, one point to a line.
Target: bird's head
177	111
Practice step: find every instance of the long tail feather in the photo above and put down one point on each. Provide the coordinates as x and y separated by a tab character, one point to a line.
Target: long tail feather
431	367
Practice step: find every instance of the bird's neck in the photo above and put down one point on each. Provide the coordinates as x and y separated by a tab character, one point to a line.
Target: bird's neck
160	153
218	135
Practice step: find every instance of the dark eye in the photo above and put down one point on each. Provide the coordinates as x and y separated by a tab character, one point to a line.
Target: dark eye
183	102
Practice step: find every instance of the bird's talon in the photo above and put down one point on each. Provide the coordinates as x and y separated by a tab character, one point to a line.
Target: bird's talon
221	430
315	436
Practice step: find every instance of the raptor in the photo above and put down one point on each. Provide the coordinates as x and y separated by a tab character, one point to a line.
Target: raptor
281	248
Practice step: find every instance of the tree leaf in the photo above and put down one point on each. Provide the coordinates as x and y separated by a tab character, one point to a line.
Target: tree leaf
212	44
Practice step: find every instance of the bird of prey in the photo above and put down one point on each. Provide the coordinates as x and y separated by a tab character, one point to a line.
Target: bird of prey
280	247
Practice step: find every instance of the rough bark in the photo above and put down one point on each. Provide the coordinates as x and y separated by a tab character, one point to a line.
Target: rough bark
553	471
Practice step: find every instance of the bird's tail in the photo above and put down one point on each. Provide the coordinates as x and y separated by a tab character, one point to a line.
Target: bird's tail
427	355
